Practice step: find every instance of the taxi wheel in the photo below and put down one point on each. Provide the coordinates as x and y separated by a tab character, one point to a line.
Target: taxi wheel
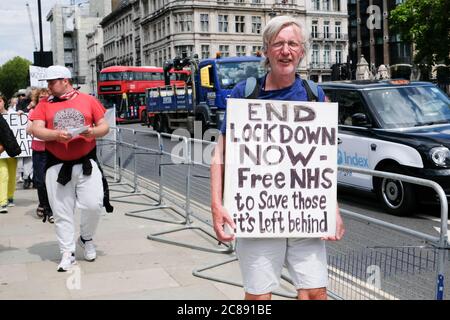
397	196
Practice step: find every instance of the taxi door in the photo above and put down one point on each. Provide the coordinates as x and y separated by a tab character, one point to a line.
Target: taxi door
353	138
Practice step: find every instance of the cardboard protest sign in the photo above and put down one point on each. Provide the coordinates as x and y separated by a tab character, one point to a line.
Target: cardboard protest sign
18	124
280	168
37	73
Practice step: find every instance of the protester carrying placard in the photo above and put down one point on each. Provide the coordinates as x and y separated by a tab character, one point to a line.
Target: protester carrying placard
73	178
261	259
8	166
39	157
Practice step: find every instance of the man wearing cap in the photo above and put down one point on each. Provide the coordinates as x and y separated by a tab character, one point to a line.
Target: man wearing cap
73	178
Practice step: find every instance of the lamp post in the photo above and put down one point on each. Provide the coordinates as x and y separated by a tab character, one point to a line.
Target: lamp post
92	81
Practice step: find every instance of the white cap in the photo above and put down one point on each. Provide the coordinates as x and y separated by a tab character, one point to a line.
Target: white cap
57	72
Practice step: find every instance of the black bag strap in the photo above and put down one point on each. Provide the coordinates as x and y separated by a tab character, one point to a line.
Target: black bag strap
312	90
252	87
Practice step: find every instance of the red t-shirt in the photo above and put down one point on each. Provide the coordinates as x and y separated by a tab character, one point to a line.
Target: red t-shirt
77	112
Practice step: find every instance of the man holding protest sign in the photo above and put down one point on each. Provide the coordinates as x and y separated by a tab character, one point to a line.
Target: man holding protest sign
69	121
280	185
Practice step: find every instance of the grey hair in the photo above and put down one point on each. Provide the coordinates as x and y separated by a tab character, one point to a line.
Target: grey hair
274	26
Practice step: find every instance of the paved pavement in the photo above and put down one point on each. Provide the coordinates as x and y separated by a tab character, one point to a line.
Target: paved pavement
128	266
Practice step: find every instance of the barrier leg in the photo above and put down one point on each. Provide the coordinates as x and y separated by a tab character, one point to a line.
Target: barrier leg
199	273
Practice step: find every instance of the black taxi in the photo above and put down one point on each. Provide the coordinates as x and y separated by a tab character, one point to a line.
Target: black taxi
396	126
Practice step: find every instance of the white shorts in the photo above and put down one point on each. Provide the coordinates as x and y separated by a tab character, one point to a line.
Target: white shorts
261	261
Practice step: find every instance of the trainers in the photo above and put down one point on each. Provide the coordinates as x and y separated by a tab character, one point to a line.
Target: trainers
67	261
51	219
11	203
4	209
26	183
40	212
89	249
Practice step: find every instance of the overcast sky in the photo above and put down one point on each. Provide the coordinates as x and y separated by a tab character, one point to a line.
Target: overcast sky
15	31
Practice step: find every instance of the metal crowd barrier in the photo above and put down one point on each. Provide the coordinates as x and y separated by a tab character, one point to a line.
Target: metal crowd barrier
188	223
160	204
348	259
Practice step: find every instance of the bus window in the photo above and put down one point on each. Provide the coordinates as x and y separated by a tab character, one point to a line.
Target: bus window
111	76
157	76
109	101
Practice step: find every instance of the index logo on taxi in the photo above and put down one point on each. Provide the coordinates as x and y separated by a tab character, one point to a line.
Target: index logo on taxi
352	160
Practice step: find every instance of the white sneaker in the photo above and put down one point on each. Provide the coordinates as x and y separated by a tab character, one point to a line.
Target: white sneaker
89	249
67	261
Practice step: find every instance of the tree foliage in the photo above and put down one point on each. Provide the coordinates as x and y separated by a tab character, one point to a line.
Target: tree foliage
426	23
14	76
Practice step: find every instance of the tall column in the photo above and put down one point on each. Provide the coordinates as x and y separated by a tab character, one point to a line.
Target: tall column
386	59
371	42
358	30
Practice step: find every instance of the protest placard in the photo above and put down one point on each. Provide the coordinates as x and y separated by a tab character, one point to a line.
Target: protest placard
18	124
280	168
36	74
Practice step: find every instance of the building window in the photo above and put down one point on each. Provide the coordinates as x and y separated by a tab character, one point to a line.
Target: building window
256	24
337	5
160	60
256	1
240	51
326	5
338	54
159	30
184	51
315	55
204	22
146	8
314	29
326	29
326	56
223	23
239	22
256	50
337	30
316	5
205	51
183	22
224	50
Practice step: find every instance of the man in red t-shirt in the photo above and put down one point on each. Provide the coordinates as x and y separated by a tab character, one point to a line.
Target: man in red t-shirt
73	178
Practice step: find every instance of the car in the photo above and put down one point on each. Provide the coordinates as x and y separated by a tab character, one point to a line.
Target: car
395	126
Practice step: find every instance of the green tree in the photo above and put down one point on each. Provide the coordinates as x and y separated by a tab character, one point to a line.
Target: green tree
14	76
426	23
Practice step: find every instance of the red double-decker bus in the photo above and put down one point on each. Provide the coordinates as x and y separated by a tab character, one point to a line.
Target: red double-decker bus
123	87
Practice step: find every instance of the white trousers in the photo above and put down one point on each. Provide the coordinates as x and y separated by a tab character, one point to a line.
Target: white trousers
84	192
27	168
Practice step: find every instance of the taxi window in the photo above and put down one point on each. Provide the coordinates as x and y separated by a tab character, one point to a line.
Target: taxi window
410	106
349	103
